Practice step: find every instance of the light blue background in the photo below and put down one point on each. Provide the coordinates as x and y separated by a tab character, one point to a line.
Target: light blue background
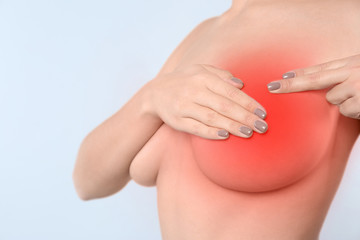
65	66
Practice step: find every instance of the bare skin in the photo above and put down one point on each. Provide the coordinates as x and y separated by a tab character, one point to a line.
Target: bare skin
191	206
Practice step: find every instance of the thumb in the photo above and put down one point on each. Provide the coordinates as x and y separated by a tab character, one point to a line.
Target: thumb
225	75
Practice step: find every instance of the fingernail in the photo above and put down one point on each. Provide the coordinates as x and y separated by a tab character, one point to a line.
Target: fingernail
273	86
261	126
236	80
260	113
223	133
245	130
290	74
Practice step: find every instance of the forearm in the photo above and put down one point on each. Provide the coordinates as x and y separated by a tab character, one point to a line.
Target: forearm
104	157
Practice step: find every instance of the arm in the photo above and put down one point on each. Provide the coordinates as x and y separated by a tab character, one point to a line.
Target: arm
105	155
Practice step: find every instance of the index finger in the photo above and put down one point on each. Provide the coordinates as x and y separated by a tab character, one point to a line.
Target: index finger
346	62
309	79
330	65
315	77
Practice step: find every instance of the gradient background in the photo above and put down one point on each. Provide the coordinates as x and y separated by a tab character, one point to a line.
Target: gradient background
65	66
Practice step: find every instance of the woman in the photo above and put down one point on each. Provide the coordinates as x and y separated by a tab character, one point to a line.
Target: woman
235	151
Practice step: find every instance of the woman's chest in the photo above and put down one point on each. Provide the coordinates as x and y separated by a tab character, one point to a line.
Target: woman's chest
302	126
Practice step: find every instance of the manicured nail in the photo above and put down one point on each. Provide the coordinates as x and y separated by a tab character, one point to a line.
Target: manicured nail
223	133
290	74
245	130
260	113
236	80
261	126
273	86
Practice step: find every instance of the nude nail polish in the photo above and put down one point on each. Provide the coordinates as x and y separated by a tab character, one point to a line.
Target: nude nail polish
236	80
260	113
261	126
223	133
273	86
290	74
245	130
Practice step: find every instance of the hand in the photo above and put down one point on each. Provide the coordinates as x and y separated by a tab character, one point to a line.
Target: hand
205	101
341	76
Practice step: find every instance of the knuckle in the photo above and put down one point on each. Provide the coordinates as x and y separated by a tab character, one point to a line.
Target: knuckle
234	126
225	106
250	106
325	66
348	111
196	129
347	62
286	84
249	120
210	117
314	78
227	74
329	97
232	92
357	115
343	110
300	72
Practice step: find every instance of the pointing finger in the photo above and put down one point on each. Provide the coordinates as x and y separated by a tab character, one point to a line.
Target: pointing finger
312	81
336	64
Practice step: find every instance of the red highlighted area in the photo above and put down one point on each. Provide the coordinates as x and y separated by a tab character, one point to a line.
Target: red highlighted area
300	135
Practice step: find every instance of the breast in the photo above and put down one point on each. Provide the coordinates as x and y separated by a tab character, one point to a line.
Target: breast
301	127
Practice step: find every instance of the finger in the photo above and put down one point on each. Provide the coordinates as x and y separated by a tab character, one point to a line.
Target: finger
237	96
314	81
214	119
340	93
351	107
330	65
225	75
348	62
197	128
232	110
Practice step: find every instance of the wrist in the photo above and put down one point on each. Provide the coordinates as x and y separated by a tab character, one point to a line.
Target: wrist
146	96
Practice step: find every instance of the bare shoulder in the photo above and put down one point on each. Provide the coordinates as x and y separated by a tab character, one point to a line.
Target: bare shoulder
176	55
